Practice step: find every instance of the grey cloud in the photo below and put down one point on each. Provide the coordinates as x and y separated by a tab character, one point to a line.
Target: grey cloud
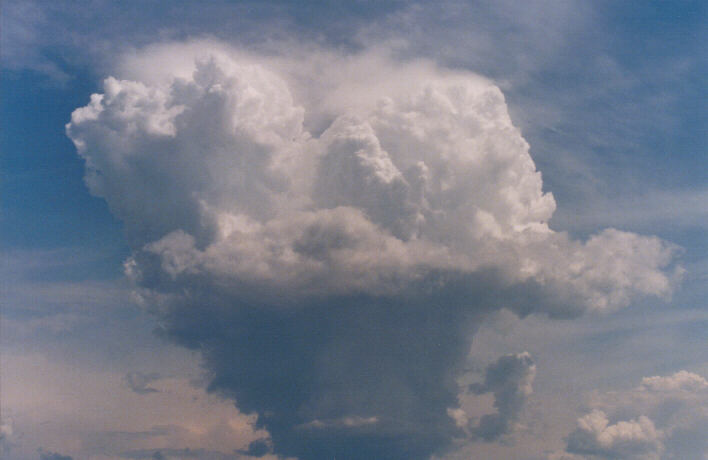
48	455
306	370
370	375
168	454
139	382
258	448
510	379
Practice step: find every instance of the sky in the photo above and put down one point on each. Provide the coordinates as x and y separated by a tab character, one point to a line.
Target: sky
354	230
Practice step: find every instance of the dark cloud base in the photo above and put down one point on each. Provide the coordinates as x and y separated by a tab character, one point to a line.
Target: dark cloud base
347	377
352	358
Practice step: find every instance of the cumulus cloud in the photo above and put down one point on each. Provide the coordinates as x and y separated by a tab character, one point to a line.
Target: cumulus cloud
682	381
328	230
664	417
636	438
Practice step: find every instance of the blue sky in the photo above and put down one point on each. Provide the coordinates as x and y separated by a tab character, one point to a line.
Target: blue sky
610	98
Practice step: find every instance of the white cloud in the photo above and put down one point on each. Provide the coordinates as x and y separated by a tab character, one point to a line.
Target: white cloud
664	417
636	438
680	381
208	162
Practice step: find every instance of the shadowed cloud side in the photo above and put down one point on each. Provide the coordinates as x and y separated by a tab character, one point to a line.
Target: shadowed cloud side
351	376
510	379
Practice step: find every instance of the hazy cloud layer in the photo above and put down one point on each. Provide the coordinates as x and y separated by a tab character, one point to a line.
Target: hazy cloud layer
329	229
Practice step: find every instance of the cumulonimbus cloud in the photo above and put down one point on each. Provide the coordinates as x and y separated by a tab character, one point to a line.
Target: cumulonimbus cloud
328	230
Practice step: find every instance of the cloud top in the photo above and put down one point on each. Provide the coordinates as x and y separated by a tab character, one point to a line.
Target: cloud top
209	164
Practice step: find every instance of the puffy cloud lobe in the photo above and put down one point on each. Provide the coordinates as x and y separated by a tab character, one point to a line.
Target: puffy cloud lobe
664	417
510	378
337	273
356	172
218	135
437	178
681	381
637	438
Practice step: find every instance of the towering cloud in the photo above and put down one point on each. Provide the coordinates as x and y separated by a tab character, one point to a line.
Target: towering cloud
328	231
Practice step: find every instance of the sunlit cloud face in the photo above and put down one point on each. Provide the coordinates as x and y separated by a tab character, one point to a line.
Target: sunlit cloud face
329	230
